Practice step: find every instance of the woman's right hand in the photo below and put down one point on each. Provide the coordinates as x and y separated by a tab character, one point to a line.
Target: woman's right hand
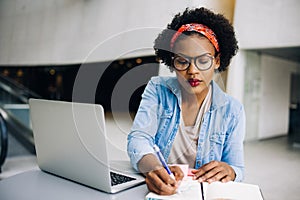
160	182
157	178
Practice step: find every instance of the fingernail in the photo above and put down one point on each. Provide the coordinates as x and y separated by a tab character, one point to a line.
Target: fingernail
210	180
200	180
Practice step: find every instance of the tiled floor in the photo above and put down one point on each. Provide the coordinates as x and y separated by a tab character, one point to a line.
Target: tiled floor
18	159
18	164
272	164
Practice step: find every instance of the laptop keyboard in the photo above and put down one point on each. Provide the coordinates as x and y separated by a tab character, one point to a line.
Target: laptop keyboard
119	178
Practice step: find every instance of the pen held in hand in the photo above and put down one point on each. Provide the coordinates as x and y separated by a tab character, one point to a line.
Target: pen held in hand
162	160
202	192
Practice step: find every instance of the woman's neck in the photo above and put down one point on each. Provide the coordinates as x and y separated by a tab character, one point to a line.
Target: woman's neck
194	99
191	104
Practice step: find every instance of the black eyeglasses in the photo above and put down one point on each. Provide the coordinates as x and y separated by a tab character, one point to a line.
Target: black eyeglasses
202	62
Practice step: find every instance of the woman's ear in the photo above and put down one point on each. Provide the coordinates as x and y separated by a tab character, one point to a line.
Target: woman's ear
218	62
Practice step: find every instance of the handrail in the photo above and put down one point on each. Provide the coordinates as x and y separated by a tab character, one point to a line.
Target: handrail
12	92
21	132
10	124
3	140
17	90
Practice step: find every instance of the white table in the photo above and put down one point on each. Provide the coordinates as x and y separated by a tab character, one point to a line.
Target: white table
39	185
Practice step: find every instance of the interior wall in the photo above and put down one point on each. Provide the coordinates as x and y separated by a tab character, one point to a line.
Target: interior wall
265	91
275	93
267	23
251	92
37	32
235	79
267	94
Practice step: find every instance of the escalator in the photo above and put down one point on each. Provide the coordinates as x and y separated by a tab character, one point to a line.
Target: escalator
12	93
3	141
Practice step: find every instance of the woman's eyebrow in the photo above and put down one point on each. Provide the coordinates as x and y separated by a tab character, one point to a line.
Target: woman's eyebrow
183	55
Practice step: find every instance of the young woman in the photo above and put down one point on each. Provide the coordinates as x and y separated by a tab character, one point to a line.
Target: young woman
189	117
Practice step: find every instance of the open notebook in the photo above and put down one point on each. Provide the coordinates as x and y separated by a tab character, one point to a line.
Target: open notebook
191	189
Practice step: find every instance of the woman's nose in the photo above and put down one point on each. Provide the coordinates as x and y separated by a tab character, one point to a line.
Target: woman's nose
192	68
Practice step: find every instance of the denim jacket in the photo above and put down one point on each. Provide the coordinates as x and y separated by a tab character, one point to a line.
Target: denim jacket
157	121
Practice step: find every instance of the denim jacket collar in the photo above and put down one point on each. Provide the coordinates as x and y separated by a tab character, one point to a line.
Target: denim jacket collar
174	86
217	93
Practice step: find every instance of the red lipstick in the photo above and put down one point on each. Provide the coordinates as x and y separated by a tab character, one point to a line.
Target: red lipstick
194	82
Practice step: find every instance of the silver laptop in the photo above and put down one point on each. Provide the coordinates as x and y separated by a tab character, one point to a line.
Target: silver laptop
70	141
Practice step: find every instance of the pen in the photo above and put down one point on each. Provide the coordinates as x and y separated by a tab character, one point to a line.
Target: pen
162	160
202	192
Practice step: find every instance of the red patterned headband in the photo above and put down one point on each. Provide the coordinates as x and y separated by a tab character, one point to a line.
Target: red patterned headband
200	28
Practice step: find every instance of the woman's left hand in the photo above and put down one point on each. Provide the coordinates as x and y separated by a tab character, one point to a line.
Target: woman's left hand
214	171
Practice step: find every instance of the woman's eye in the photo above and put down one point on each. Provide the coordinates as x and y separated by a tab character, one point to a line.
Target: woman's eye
182	61
203	60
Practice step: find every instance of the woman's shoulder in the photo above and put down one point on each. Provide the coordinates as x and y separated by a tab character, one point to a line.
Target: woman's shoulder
224	99
164	85
234	106
232	100
163	79
235	103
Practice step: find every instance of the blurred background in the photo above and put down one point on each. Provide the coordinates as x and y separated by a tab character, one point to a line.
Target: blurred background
49	47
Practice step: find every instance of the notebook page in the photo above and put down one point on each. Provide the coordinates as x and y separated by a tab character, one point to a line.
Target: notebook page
233	190
188	190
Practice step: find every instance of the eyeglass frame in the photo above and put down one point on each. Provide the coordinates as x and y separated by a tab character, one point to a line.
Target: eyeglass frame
190	59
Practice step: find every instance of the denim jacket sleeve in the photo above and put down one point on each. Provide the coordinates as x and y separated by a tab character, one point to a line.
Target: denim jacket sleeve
233	148
141	138
225	125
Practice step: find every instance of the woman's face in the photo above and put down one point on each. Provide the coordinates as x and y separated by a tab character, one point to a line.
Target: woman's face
193	80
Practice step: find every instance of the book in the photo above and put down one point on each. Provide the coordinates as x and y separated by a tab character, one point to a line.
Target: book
191	189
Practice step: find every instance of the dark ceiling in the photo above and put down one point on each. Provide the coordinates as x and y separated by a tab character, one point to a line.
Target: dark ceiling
289	53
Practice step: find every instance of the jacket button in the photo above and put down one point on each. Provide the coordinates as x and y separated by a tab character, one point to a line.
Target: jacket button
199	163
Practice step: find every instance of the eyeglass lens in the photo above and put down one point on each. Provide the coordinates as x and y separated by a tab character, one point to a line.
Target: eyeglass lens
203	62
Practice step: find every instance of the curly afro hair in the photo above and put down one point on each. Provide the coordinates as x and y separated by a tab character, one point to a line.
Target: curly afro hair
216	22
